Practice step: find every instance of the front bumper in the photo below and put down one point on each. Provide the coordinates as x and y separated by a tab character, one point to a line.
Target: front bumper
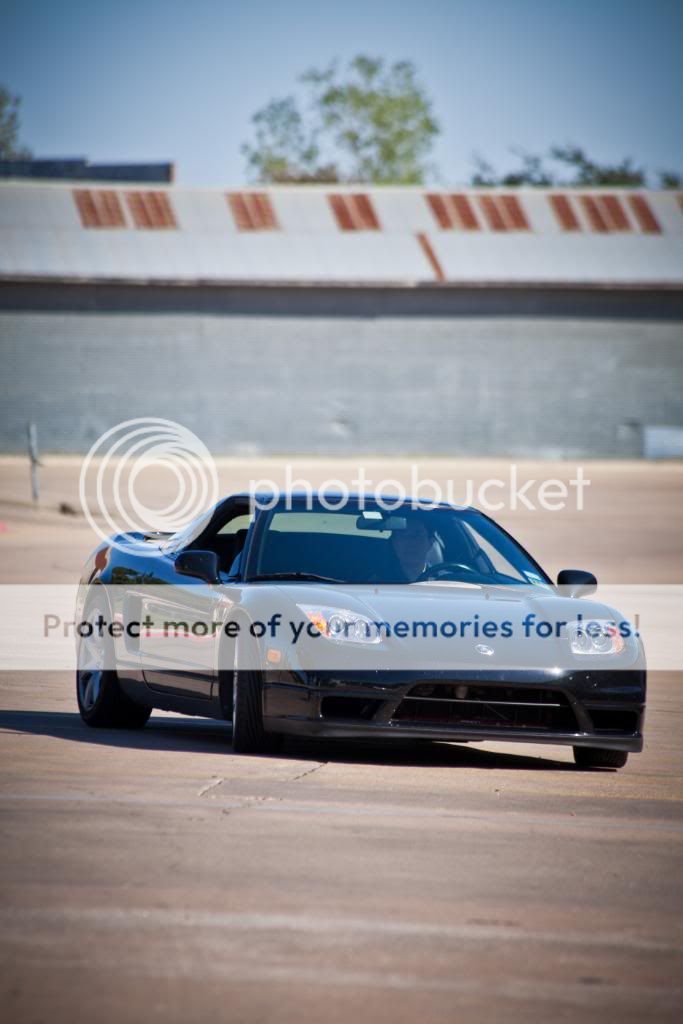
592	709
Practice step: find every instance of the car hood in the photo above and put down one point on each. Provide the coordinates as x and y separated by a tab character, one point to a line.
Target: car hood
449	624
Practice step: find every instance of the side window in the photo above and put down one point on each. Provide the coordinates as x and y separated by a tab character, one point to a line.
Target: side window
241	522
229	542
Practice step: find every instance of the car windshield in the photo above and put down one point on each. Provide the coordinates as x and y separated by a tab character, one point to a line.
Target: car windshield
367	544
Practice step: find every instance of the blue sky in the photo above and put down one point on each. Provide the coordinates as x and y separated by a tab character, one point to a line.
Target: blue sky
160	79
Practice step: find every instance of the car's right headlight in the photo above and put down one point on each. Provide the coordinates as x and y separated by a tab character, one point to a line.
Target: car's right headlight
595	637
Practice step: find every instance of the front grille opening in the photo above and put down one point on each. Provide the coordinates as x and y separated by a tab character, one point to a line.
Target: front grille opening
354	708
481	692
608	720
486	707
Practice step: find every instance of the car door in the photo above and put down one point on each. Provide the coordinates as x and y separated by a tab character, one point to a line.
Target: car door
178	652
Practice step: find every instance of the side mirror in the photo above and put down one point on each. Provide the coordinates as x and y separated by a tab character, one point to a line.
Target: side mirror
577	583
201	564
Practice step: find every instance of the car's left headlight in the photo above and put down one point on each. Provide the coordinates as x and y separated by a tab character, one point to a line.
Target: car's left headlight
595	637
342	625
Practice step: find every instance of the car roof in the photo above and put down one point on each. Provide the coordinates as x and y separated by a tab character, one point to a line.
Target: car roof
331	496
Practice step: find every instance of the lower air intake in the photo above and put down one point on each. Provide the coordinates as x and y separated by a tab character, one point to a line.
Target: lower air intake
473	707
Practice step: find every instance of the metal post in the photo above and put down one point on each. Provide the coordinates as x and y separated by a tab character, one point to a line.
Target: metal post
32	433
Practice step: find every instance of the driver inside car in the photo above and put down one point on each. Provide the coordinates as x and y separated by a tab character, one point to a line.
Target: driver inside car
415	548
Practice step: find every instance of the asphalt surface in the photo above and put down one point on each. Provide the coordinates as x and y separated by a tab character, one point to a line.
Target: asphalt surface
158	875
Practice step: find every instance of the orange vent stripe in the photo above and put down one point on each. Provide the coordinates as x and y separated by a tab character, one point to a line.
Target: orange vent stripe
594	214
452	211
494	217
99	208
366	212
151	210
266	212
342	213
440	210
513	214
504	213
647	222
252	211
428	250
464	213
605	213
564	212
354	212
613	213
240	212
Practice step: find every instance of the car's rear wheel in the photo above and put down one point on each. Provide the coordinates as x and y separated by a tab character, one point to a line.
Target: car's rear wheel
101	702
248	733
595	757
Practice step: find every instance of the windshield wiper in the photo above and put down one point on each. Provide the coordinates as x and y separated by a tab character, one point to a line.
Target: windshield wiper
312	576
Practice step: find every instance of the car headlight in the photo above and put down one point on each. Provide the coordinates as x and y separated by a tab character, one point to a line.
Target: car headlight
342	625
595	637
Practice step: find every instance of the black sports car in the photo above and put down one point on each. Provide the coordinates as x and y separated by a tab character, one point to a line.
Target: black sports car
302	614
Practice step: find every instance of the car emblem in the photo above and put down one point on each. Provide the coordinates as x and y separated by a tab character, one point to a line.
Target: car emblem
483	649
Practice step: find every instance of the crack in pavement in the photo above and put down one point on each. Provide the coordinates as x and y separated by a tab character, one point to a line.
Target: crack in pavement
210	785
309	771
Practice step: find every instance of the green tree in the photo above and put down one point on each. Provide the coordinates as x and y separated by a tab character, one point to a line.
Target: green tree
570	167
670	179
9	127
369	123
590	172
285	149
532	172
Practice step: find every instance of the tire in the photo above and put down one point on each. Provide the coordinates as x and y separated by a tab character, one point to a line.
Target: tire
248	733
595	757
101	701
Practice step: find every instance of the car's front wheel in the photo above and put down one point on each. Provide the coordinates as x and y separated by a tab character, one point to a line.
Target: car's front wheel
248	733
595	757
101	702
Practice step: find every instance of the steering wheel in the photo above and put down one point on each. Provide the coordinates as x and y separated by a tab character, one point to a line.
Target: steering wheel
438	570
